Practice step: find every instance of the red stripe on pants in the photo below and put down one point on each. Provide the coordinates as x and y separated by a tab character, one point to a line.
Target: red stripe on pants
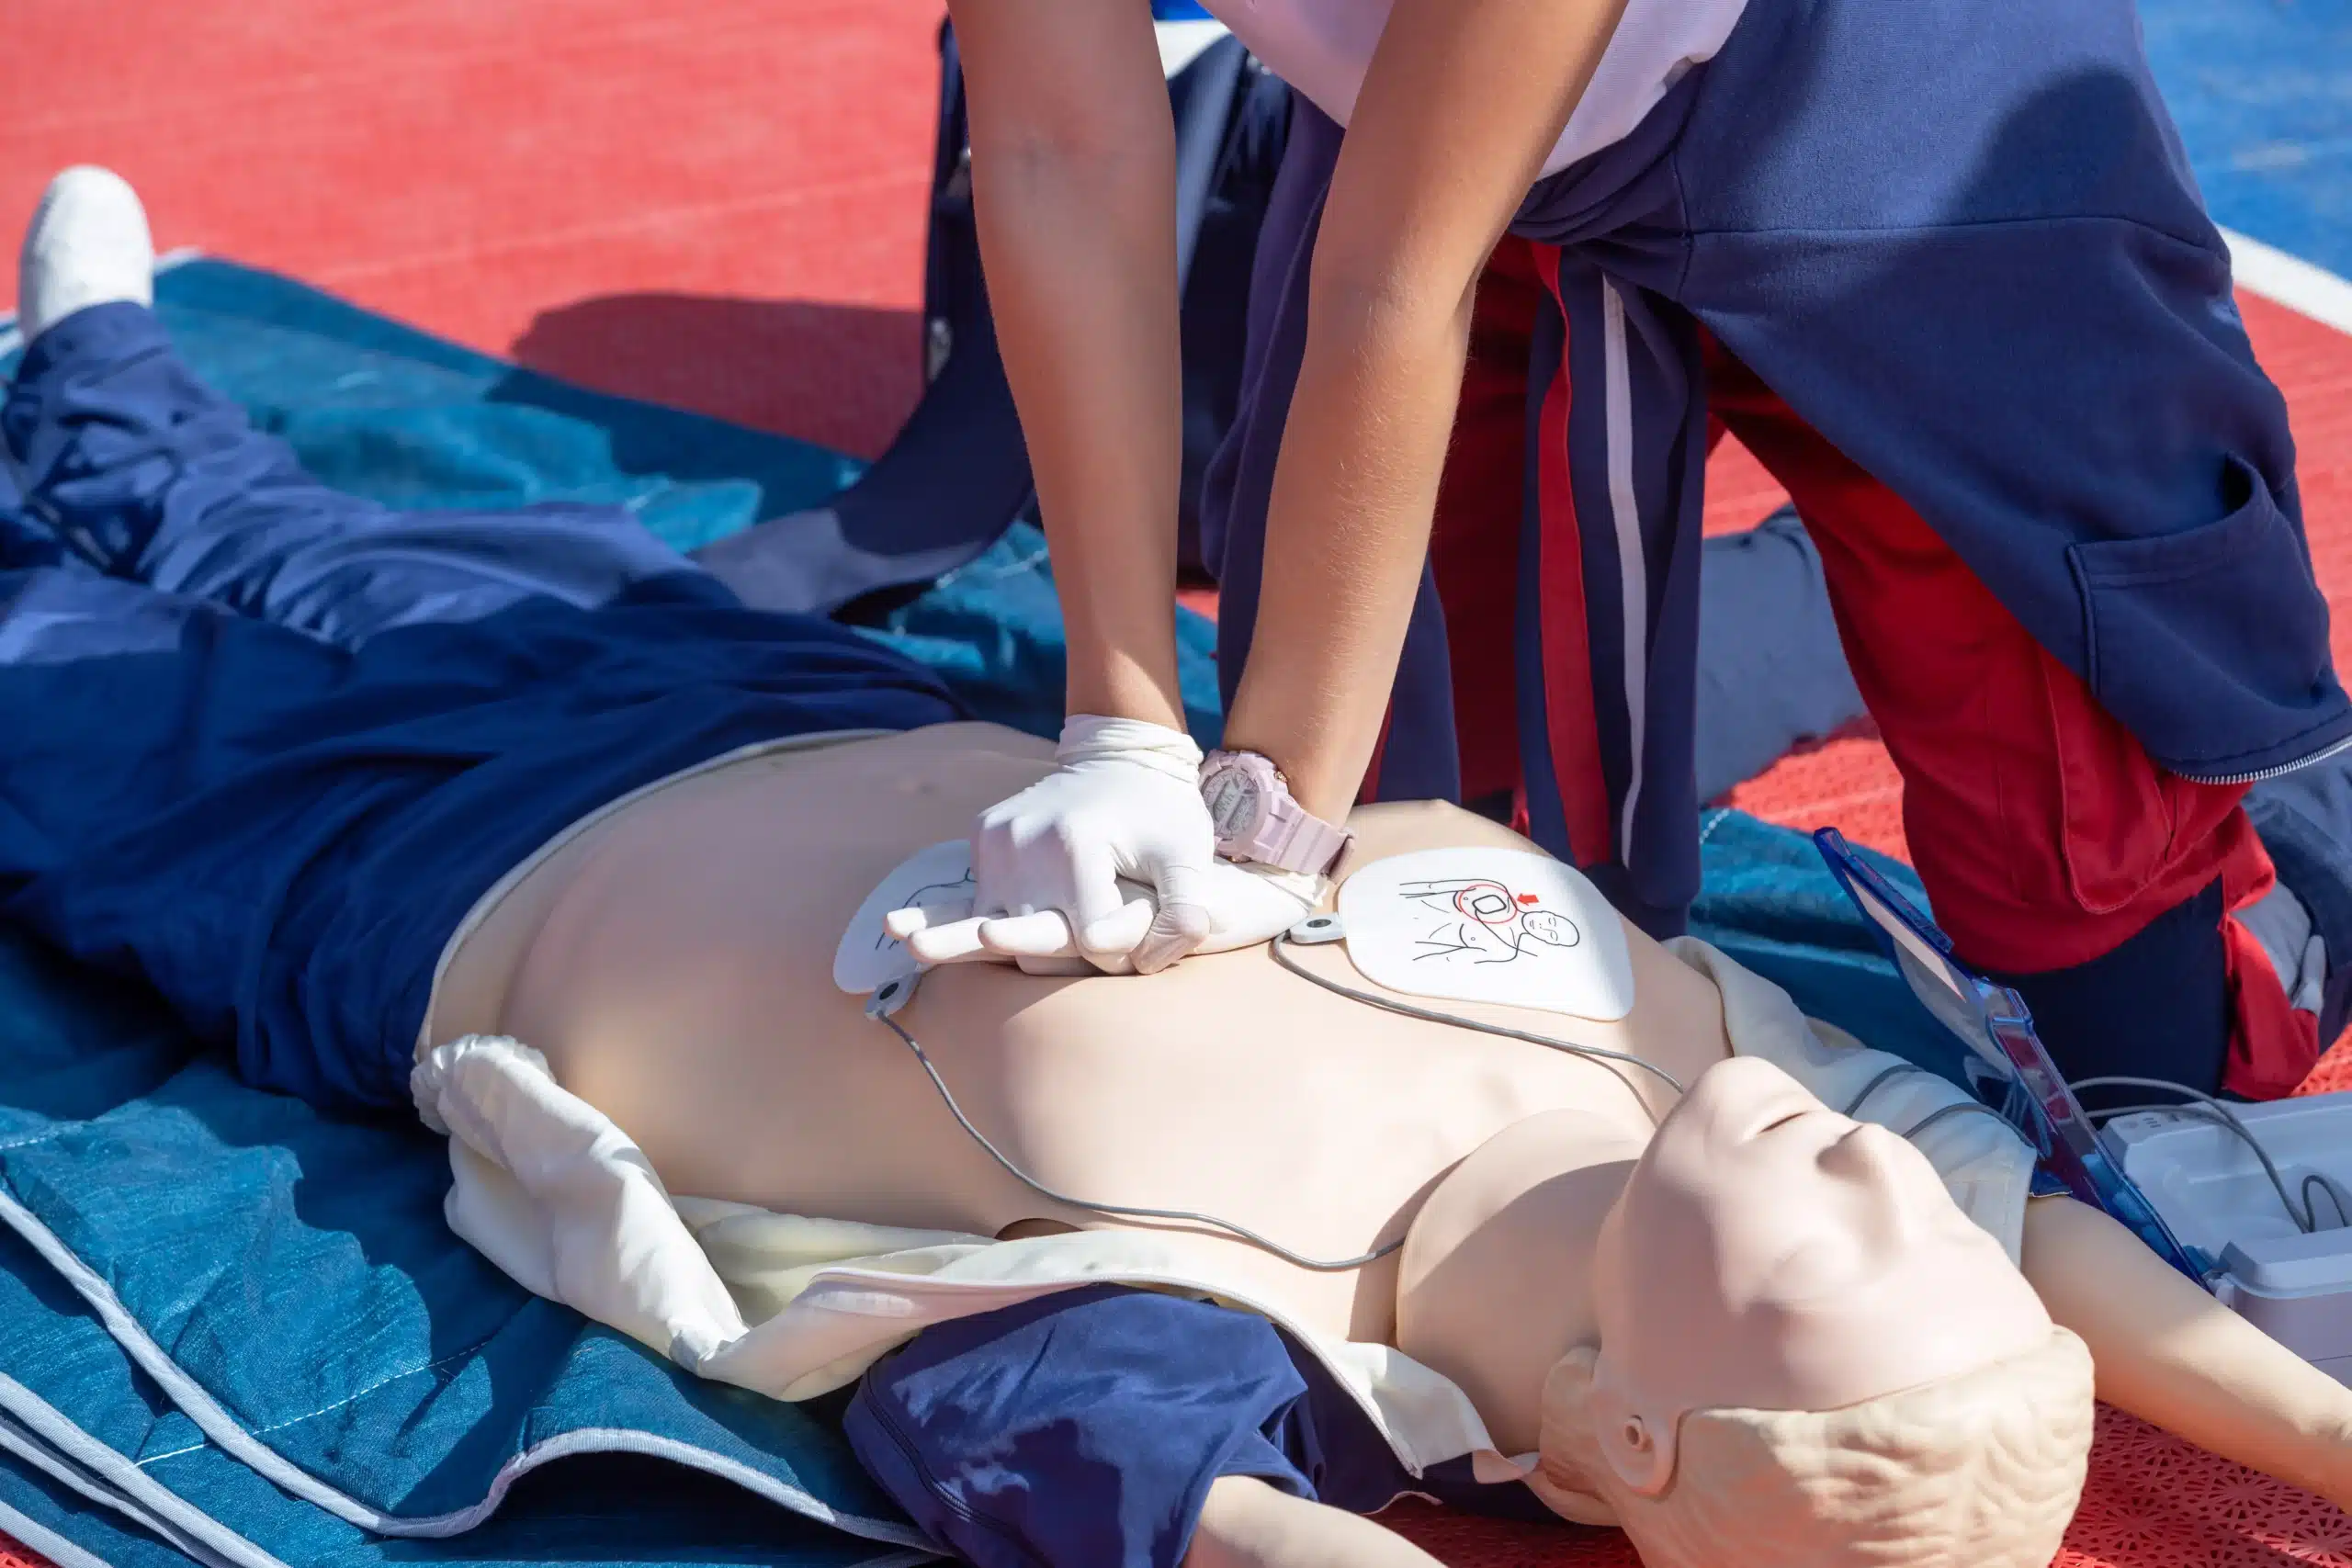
1574	728
2044	833
1474	552
1473	546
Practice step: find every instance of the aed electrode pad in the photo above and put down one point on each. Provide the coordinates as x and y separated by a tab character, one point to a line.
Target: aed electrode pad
1487	925
1474	925
940	876
1478	925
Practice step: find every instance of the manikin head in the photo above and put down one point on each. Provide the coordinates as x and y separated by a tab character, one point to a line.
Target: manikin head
1806	1353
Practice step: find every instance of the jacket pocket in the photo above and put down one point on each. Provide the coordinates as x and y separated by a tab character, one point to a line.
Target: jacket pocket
2209	645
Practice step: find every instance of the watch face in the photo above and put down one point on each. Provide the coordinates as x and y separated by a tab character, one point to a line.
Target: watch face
1234	805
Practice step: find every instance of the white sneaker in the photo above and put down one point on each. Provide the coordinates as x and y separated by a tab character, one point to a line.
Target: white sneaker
88	244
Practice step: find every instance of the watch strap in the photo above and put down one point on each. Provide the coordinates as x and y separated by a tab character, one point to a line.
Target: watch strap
1286	837
1292	839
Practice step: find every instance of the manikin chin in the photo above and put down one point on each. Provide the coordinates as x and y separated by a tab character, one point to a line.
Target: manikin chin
1800	1352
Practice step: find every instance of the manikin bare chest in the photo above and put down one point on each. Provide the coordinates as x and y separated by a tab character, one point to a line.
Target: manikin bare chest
674	964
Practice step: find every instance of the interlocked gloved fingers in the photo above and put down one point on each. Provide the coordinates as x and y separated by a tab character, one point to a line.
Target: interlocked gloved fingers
1038	943
1104	858
1246	905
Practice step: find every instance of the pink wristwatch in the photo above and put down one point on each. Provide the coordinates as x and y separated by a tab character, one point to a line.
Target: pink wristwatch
1256	820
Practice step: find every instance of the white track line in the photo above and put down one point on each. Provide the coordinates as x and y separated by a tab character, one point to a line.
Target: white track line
2290	281
1180	43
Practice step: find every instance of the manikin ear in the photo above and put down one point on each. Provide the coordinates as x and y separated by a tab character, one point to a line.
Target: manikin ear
1637	1445
1568	1454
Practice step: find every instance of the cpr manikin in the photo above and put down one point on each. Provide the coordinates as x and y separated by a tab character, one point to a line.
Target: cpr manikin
1742	1325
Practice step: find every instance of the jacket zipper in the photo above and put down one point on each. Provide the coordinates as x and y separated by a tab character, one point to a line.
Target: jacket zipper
2281	771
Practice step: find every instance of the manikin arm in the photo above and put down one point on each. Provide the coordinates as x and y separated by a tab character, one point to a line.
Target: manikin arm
1245	1523
2172	1355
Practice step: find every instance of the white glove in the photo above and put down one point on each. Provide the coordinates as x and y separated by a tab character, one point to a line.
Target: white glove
1110	859
1246	904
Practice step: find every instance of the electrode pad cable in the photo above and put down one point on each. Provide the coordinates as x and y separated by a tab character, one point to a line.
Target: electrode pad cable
1960	1108
1388	1004
1431	1015
1122	1211
1600	1053
1243	1232
2199	1104
1281	946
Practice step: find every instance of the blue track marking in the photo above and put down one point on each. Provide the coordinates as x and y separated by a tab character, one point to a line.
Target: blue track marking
2263	92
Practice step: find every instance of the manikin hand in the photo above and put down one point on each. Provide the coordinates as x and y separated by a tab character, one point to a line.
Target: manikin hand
1108	862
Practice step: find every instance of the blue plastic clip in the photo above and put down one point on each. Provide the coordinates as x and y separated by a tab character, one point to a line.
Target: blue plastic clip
1995	1024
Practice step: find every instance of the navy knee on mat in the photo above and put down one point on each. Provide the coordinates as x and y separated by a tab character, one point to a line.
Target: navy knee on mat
1772	674
2157	1007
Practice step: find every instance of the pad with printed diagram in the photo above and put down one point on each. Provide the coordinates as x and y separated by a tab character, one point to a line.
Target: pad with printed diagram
1483	925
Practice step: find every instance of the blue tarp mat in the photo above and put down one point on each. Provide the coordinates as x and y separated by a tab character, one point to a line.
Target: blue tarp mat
252	1320
229	1323
387	412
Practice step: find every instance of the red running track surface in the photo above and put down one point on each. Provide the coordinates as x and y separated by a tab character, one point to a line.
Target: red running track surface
1852	783
719	207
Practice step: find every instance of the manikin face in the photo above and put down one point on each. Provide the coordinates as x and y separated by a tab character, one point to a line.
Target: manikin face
1769	1254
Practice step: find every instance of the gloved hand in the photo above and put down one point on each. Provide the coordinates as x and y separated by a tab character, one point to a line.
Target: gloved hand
1246	905
1048	865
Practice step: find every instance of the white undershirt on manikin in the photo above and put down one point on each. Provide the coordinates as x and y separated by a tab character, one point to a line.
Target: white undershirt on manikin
1323	46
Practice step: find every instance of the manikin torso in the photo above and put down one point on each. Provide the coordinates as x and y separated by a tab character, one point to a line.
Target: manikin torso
1751	1250
674	964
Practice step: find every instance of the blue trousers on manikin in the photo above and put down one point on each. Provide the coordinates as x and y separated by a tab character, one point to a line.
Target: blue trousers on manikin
266	742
